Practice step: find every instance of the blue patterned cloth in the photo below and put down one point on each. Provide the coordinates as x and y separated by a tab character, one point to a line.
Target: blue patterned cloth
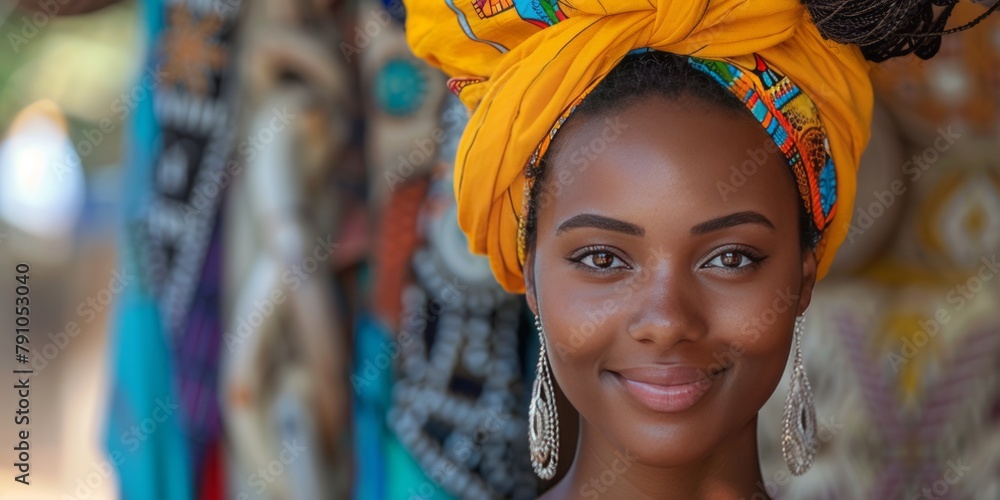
144	439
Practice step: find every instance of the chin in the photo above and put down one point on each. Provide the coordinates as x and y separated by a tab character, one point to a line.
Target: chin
666	446
666	440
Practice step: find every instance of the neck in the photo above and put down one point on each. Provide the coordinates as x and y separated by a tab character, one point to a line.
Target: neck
600	470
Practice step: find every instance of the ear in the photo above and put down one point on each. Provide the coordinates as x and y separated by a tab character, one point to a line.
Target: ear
529	281
808	281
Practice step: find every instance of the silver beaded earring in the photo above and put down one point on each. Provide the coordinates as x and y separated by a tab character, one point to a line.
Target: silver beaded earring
543	421
798	425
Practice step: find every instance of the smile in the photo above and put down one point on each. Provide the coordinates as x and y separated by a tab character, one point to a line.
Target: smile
666	388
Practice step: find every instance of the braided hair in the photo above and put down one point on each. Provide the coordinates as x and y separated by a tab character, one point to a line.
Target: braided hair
884	29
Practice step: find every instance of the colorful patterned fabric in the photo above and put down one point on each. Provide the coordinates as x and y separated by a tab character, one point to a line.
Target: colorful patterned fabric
195	108
166	336
522	65
792	121
143	383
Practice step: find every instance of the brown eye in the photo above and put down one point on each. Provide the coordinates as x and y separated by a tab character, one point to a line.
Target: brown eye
599	260
735	259
731	259
603	259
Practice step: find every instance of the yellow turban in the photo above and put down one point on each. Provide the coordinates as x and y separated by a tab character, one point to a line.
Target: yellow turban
520	65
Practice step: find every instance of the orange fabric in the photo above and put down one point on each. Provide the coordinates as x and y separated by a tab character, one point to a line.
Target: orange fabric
397	241
519	76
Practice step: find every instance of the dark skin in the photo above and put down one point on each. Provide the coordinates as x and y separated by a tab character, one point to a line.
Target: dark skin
647	285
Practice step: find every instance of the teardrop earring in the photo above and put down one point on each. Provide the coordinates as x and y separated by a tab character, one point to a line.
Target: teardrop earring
798	424
543	420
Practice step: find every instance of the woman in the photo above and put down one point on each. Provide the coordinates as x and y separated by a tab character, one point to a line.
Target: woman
648	280
669	236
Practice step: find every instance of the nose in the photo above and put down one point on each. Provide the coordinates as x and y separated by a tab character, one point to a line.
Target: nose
669	308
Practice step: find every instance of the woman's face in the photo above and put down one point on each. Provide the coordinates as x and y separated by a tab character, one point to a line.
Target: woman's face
667	279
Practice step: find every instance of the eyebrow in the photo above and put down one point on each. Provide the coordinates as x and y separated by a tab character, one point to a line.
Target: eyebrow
734	219
600	222
620	226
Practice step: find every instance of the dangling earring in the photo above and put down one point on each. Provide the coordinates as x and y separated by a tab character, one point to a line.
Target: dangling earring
798	426
543	421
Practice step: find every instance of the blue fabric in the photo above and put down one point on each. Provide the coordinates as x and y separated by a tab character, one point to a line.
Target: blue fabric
371	397
145	440
384	470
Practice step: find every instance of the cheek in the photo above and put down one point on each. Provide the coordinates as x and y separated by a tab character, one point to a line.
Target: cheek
580	327
577	327
754	328
759	318
758	338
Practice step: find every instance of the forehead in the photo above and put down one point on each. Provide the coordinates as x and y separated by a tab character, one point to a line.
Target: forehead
672	157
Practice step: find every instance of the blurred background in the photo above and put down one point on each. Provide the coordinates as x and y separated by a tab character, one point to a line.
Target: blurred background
247	281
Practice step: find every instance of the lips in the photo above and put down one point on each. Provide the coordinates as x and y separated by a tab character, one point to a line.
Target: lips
666	388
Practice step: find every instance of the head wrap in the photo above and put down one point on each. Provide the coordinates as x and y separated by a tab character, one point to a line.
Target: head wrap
523	65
